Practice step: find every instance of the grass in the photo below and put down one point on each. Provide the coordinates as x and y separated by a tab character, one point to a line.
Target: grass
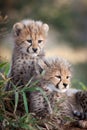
14	115
11	116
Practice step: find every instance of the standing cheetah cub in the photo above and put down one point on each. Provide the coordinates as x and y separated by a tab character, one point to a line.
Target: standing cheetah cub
56	78
29	40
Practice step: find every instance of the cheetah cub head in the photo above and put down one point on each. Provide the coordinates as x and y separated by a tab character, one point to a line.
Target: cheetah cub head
58	74
30	36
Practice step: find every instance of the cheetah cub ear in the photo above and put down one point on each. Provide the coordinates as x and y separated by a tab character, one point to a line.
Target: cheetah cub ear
17	28
46	27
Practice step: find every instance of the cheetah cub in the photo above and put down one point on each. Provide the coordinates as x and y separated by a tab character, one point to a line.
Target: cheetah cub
75	106
55	79
81	98
29	40
77	103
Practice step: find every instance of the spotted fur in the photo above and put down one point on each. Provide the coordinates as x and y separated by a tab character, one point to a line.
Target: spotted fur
75	105
52	81
29	40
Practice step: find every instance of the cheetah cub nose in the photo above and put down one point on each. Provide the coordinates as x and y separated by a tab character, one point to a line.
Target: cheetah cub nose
34	49
65	85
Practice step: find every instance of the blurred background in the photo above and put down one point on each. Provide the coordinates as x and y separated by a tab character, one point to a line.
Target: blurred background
67	37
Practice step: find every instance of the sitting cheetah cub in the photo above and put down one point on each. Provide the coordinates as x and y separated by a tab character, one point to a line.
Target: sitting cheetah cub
56	79
29	40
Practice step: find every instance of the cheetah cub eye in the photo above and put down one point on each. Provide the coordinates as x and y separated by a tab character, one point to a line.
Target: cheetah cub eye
30	41
68	77
58	76
40	41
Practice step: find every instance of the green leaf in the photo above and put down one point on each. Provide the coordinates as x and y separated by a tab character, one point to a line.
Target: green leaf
1	118
1	82
16	101
25	102
27	118
27	127
31	89
3	64
29	82
14	86
34	83
7	69
22	119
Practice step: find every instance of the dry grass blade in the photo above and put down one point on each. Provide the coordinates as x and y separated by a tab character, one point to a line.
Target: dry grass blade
46	126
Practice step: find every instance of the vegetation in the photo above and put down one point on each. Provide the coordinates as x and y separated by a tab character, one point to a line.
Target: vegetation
14	113
69	18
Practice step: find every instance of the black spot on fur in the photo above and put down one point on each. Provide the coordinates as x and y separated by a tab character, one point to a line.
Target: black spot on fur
21	72
24	62
19	60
